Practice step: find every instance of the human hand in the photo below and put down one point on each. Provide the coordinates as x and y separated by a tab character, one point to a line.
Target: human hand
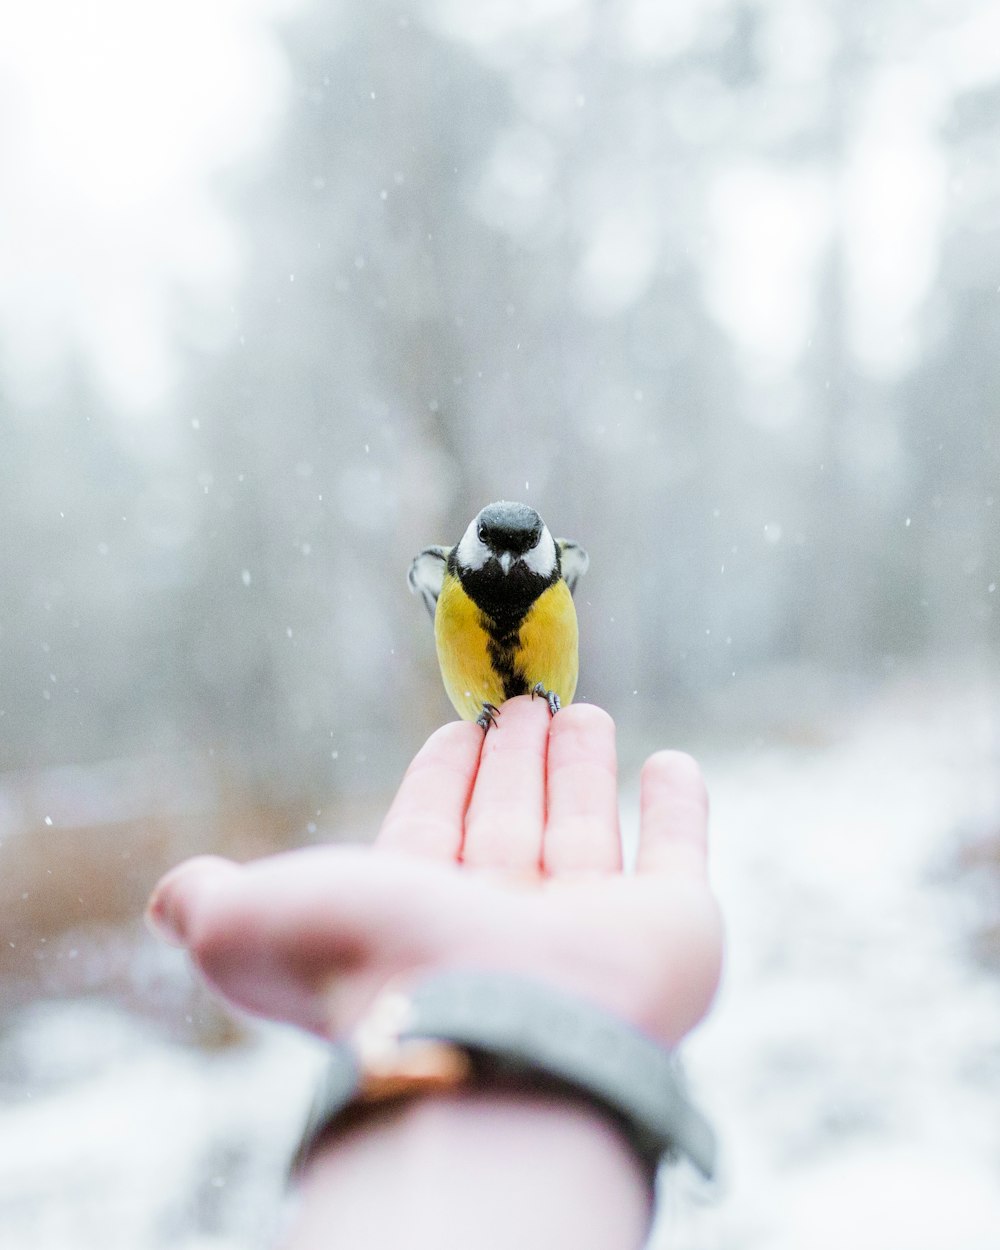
498	853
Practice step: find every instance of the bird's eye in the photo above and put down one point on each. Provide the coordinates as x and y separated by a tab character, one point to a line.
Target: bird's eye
481	534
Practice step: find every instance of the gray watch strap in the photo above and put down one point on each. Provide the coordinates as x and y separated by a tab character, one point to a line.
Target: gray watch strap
533	1025
512	1025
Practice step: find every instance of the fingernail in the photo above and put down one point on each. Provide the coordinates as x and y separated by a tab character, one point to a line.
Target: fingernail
170	902
159	921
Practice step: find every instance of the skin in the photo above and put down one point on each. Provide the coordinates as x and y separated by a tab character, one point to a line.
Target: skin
499	851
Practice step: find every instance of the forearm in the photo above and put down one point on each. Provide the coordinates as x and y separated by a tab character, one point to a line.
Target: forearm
494	1171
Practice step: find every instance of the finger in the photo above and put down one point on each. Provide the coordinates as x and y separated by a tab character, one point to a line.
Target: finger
428	813
176	897
287	935
581	832
506	816
673	821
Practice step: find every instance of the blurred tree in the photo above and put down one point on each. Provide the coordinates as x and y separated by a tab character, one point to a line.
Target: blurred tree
483	260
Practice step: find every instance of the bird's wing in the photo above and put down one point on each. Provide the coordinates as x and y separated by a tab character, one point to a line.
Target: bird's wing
426	575
574	561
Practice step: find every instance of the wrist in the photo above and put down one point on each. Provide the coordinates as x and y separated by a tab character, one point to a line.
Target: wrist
461	1030
475	1167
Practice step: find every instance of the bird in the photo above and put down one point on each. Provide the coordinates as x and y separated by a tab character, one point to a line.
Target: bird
502	604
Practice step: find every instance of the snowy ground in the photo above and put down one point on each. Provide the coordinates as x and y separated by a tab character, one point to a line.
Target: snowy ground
852	1065
139	1144
853	1061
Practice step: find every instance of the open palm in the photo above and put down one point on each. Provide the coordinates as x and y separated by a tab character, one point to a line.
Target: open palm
500	852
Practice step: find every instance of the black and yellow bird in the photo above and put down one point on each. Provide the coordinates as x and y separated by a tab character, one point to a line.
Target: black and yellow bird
502	605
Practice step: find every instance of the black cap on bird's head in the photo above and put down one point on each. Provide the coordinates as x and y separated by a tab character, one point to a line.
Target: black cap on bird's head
512	527
508	541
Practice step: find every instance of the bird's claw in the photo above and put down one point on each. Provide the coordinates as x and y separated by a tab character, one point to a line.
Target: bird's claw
550	697
487	717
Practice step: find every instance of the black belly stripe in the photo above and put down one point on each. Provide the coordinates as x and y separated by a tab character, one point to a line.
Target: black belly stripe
514	680
502	648
503	606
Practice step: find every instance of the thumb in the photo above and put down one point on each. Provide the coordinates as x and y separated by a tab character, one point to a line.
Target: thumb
181	895
311	936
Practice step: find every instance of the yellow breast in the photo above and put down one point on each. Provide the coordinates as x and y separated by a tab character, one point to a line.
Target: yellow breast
475	671
549	643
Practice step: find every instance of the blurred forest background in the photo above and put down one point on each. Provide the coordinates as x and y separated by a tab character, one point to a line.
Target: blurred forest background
291	289
715	286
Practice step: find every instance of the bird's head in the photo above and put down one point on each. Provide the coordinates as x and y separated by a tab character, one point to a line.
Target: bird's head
508	541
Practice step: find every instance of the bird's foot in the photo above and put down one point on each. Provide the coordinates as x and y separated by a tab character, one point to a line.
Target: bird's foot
550	697
487	717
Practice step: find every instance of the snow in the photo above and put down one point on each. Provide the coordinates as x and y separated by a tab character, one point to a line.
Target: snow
136	1143
851	1066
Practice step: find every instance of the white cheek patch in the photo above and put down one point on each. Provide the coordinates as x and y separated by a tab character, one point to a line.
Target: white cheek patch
471	553
541	558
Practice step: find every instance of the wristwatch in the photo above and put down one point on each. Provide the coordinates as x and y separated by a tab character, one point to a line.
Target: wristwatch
472	1029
